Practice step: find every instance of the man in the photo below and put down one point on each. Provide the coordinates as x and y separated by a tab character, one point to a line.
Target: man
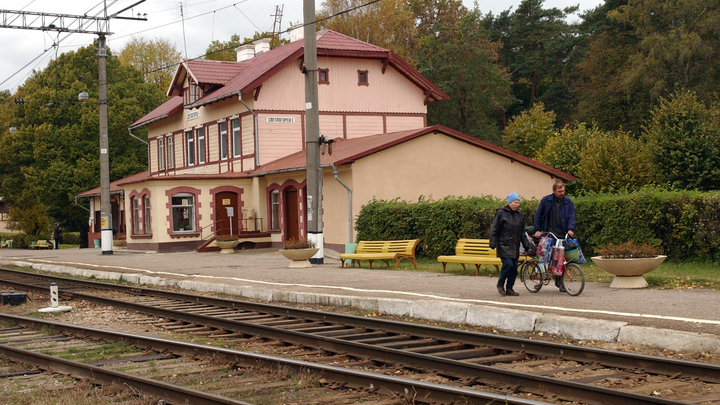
57	235
556	214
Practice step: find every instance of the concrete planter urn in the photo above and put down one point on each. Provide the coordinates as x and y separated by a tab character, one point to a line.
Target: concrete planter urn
629	272
227	246
299	257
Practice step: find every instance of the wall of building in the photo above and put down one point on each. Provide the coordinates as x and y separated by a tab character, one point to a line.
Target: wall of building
433	166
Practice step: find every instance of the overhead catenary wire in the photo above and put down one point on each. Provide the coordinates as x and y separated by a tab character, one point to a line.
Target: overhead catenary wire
174	65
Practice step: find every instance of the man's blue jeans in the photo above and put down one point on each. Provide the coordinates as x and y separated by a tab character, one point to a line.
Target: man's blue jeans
508	273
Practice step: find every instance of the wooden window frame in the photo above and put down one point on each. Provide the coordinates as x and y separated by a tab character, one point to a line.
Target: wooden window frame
327	76
360	75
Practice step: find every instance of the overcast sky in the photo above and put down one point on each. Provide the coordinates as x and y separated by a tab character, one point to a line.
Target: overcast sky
204	21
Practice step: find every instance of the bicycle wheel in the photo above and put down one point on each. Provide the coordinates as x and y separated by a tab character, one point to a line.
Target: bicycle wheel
531	276
573	279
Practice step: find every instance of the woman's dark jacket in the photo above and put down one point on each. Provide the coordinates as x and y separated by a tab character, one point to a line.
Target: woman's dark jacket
507	233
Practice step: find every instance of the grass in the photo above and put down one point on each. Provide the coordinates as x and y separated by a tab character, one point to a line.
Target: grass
670	274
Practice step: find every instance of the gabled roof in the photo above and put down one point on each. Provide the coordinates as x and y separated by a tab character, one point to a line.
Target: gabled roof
165	110
243	77
347	151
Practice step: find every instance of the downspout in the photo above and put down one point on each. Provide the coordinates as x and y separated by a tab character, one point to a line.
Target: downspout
350	227
255	130
78	204
146	144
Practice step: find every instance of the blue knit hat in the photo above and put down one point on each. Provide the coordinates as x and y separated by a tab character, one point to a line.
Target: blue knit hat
512	197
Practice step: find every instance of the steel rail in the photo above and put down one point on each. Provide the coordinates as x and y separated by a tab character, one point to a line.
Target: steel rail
587	392
356	378
650	364
158	389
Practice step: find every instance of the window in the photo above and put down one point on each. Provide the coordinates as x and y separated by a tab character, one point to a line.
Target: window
183	213
170	153
223	140
275	207
201	145
161	153
236	140
323	76
192	93
135	219
146	216
190	140
363	78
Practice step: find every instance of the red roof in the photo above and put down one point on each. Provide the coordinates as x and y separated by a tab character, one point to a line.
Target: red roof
246	76
213	71
166	109
115	185
349	150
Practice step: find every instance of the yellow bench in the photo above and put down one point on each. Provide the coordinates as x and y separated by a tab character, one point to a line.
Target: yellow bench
473	251
6	244
383	250
42	244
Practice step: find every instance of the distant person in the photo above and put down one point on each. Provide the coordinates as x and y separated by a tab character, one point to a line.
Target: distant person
556	214
57	235
506	235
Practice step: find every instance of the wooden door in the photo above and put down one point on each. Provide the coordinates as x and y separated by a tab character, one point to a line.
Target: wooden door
223	223
292	219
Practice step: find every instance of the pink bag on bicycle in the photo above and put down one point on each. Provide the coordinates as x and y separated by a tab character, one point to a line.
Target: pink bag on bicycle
543	250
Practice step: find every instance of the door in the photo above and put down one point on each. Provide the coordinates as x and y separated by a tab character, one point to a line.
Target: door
223	222
292	220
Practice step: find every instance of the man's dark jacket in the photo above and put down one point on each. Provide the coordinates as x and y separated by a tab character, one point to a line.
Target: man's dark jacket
507	233
567	214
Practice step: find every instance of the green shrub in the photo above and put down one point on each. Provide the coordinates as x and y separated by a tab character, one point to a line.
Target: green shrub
71	238
682	224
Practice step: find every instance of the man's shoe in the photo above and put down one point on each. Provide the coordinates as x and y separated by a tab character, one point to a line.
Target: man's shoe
512	292
501	290
562	289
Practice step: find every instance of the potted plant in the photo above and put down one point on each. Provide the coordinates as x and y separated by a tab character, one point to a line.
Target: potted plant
227	243
119	241
628	262
299	251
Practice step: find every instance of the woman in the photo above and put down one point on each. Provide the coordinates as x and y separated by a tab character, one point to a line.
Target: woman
506	235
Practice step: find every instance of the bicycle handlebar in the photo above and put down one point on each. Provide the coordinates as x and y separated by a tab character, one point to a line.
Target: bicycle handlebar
553	235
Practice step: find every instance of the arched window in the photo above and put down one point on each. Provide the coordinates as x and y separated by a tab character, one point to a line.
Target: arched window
183	213
146	217
275	210
135	213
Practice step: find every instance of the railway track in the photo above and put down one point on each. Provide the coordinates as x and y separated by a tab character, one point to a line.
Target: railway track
538	370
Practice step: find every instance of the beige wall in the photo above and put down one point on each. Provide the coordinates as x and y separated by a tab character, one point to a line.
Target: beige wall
433	166
388	92
159	203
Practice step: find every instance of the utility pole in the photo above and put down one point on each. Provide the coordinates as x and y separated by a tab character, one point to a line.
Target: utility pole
77	24
312	134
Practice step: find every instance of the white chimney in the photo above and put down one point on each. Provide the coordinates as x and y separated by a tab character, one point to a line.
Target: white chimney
261	45
245	52
297	32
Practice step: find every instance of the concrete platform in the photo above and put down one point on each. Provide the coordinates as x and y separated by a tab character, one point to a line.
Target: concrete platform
678	320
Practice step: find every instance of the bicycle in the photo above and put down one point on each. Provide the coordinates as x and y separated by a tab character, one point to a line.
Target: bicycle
534	274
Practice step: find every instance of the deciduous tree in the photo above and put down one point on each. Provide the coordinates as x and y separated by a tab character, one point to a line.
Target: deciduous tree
156	58
527	133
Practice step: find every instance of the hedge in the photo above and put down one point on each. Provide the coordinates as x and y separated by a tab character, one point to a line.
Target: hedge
684	224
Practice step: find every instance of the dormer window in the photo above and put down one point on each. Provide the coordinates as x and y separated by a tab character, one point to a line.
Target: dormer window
192	93
323	76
